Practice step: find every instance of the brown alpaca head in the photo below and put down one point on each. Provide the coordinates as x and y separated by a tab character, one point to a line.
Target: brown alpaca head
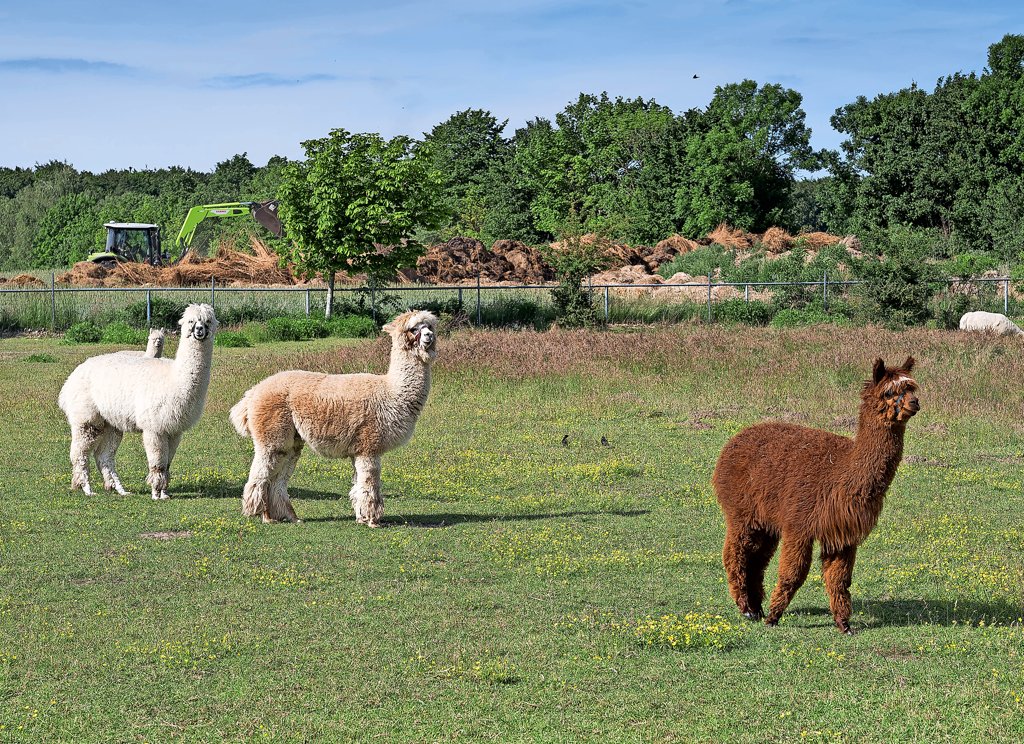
415	331
891	393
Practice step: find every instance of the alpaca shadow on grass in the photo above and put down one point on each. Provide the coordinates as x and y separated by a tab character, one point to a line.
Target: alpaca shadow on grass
876	614
450	519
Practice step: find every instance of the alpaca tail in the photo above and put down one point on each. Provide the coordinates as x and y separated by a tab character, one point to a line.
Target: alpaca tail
240	416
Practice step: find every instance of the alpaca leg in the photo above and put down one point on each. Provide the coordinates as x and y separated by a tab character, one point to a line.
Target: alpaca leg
745	555
172	447
794	563
106	452
762	548
837	573
156	455
735	561
83	441
279	487
365	494
259	497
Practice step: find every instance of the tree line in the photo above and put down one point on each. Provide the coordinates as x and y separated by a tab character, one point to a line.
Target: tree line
946	163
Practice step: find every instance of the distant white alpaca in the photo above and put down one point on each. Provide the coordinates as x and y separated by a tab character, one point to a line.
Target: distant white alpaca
107	395
154	345
360	416
997	323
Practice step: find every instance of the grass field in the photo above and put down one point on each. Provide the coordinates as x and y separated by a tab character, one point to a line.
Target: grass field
521	591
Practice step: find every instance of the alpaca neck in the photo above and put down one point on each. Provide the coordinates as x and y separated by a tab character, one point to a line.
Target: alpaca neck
877	451
192	365
407	376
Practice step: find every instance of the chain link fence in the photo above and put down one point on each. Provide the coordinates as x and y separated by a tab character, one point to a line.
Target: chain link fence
57	307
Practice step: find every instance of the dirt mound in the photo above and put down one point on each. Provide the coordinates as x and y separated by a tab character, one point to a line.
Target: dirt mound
731	237
23	280
816	240
463	259
776	240
228	267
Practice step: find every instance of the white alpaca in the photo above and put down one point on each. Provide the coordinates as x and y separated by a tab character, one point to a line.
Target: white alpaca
107	395
154	345
997	323
360	416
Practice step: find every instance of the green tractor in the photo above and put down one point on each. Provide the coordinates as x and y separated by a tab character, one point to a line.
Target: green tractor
140	242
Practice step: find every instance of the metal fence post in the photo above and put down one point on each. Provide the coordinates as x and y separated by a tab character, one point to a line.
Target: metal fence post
307	302
460	299
478	299
606	304
1006	297
373	301
709	297
149	309
746	293
213	298
53	303
824	290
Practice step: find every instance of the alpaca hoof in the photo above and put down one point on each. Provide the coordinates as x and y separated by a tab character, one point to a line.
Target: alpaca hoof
164	495
156	497
753	616
771	622
267	519
844	628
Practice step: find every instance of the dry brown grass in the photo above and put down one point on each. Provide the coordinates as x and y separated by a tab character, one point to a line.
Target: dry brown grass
776	240
957	372
731	237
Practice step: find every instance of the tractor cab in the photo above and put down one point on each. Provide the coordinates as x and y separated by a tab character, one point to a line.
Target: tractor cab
130	241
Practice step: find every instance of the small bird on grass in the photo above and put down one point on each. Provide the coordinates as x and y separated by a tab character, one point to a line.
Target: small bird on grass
604	441
565	441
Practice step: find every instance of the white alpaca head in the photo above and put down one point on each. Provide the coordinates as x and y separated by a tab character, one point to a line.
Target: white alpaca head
198	322
155	345
415	331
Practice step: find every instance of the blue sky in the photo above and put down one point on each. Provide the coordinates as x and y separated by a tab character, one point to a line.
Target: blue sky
136	84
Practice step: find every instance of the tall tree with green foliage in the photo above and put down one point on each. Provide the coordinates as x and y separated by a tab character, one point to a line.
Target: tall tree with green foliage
355	203
741	156
463	149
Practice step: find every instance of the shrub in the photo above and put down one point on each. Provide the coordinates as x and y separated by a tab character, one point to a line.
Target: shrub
238	314
85	332
899	288
164	313
232	339
736	310
120	332
573	263
948	310
41	358
351	326
296	329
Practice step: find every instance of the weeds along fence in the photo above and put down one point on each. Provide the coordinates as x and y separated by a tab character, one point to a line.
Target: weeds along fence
58	307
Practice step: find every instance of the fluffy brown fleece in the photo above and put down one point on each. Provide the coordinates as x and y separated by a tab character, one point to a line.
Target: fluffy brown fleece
778	480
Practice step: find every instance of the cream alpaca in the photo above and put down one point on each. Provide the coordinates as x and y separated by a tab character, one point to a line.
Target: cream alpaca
360	416
107	395
154	345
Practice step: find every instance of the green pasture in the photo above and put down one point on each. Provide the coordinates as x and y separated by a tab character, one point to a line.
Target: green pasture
520	590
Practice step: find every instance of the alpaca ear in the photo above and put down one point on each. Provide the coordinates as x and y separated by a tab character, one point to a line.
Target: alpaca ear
909	364
878	371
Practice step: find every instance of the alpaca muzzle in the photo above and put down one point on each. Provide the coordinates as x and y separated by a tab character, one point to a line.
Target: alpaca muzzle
907	406
199	332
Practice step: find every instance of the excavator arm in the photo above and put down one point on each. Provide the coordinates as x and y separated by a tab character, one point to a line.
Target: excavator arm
264	212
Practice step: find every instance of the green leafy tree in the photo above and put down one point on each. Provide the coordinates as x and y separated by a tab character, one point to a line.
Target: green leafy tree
741	156
67	232
356	202
463	149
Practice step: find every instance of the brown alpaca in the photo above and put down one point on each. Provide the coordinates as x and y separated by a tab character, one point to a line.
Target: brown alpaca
776	480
